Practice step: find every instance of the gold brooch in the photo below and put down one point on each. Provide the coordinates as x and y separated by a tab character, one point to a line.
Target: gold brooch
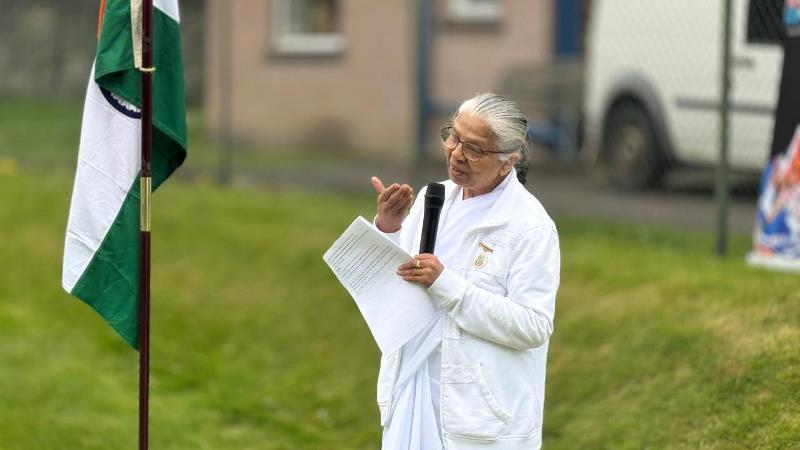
483	257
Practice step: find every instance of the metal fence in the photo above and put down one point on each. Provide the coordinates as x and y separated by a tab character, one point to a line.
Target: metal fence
681	95
642	109
655	73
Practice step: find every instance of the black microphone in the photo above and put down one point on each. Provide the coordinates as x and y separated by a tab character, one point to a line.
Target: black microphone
434	199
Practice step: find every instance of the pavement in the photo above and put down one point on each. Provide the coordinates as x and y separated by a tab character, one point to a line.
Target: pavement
566	190
676	205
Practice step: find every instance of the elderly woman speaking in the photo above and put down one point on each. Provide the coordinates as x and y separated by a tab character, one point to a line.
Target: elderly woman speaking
474	378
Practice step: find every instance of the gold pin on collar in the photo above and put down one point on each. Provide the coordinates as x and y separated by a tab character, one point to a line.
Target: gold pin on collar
483	257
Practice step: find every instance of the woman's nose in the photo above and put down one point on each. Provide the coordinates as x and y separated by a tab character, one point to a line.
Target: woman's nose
458	152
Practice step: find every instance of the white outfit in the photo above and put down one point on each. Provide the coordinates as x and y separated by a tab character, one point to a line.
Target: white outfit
489	347
417	410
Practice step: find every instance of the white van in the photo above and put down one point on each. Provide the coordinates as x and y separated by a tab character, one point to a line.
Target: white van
652	85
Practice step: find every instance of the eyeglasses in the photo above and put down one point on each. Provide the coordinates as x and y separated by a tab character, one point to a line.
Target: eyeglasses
471	151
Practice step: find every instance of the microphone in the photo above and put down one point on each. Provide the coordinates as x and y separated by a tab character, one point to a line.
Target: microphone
434	199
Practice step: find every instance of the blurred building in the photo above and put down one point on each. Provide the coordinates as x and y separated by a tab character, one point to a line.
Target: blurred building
47	47
342	74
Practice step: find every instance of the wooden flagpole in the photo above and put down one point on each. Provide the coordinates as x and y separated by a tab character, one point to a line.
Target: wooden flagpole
144	249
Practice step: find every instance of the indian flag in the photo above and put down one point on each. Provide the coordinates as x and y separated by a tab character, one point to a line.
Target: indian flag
101	253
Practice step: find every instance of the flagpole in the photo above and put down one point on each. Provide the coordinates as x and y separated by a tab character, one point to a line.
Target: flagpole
144	249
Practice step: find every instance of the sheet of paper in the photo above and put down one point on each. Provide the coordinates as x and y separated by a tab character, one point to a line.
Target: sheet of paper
365	262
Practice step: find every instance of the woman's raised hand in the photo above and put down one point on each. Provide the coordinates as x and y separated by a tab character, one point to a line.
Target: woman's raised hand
393	204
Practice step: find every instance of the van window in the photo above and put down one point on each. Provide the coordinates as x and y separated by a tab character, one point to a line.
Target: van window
765	22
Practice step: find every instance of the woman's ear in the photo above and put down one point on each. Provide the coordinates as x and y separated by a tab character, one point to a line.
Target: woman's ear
509	164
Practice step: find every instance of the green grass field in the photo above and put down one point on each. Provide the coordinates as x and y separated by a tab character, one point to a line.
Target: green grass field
255	346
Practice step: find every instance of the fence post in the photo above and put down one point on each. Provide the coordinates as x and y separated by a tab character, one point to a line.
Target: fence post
722	190
423	33
225	136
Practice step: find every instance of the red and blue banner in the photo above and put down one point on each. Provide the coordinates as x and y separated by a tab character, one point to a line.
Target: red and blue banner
776	238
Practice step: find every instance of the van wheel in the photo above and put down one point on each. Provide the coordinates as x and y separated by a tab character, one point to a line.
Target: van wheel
632	155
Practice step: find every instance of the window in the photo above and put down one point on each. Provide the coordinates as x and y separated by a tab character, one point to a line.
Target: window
307	27
478	11
765	22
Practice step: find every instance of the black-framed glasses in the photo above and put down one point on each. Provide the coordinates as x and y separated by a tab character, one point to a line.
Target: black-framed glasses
471	151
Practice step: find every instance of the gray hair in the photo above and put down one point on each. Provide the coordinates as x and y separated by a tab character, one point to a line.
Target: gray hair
507	123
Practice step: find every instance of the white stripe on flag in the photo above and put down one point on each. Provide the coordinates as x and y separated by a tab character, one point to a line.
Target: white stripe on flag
108	164
169	7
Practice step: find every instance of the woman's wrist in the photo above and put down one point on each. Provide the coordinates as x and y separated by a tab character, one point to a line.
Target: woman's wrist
387	228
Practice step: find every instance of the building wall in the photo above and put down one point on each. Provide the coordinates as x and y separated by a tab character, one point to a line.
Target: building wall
362	101
358	101
473	58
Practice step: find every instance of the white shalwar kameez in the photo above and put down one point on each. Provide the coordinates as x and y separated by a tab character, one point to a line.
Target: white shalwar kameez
415	422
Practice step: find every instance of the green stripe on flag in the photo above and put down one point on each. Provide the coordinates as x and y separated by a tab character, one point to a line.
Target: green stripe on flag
110	284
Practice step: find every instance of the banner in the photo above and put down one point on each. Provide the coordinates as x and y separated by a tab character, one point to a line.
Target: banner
776	239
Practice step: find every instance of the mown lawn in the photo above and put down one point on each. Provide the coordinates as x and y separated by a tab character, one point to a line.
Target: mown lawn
255	346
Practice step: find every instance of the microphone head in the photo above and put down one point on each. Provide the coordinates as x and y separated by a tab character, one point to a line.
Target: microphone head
434	195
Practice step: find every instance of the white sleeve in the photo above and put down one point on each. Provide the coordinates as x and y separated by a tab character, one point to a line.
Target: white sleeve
522	319
395	237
